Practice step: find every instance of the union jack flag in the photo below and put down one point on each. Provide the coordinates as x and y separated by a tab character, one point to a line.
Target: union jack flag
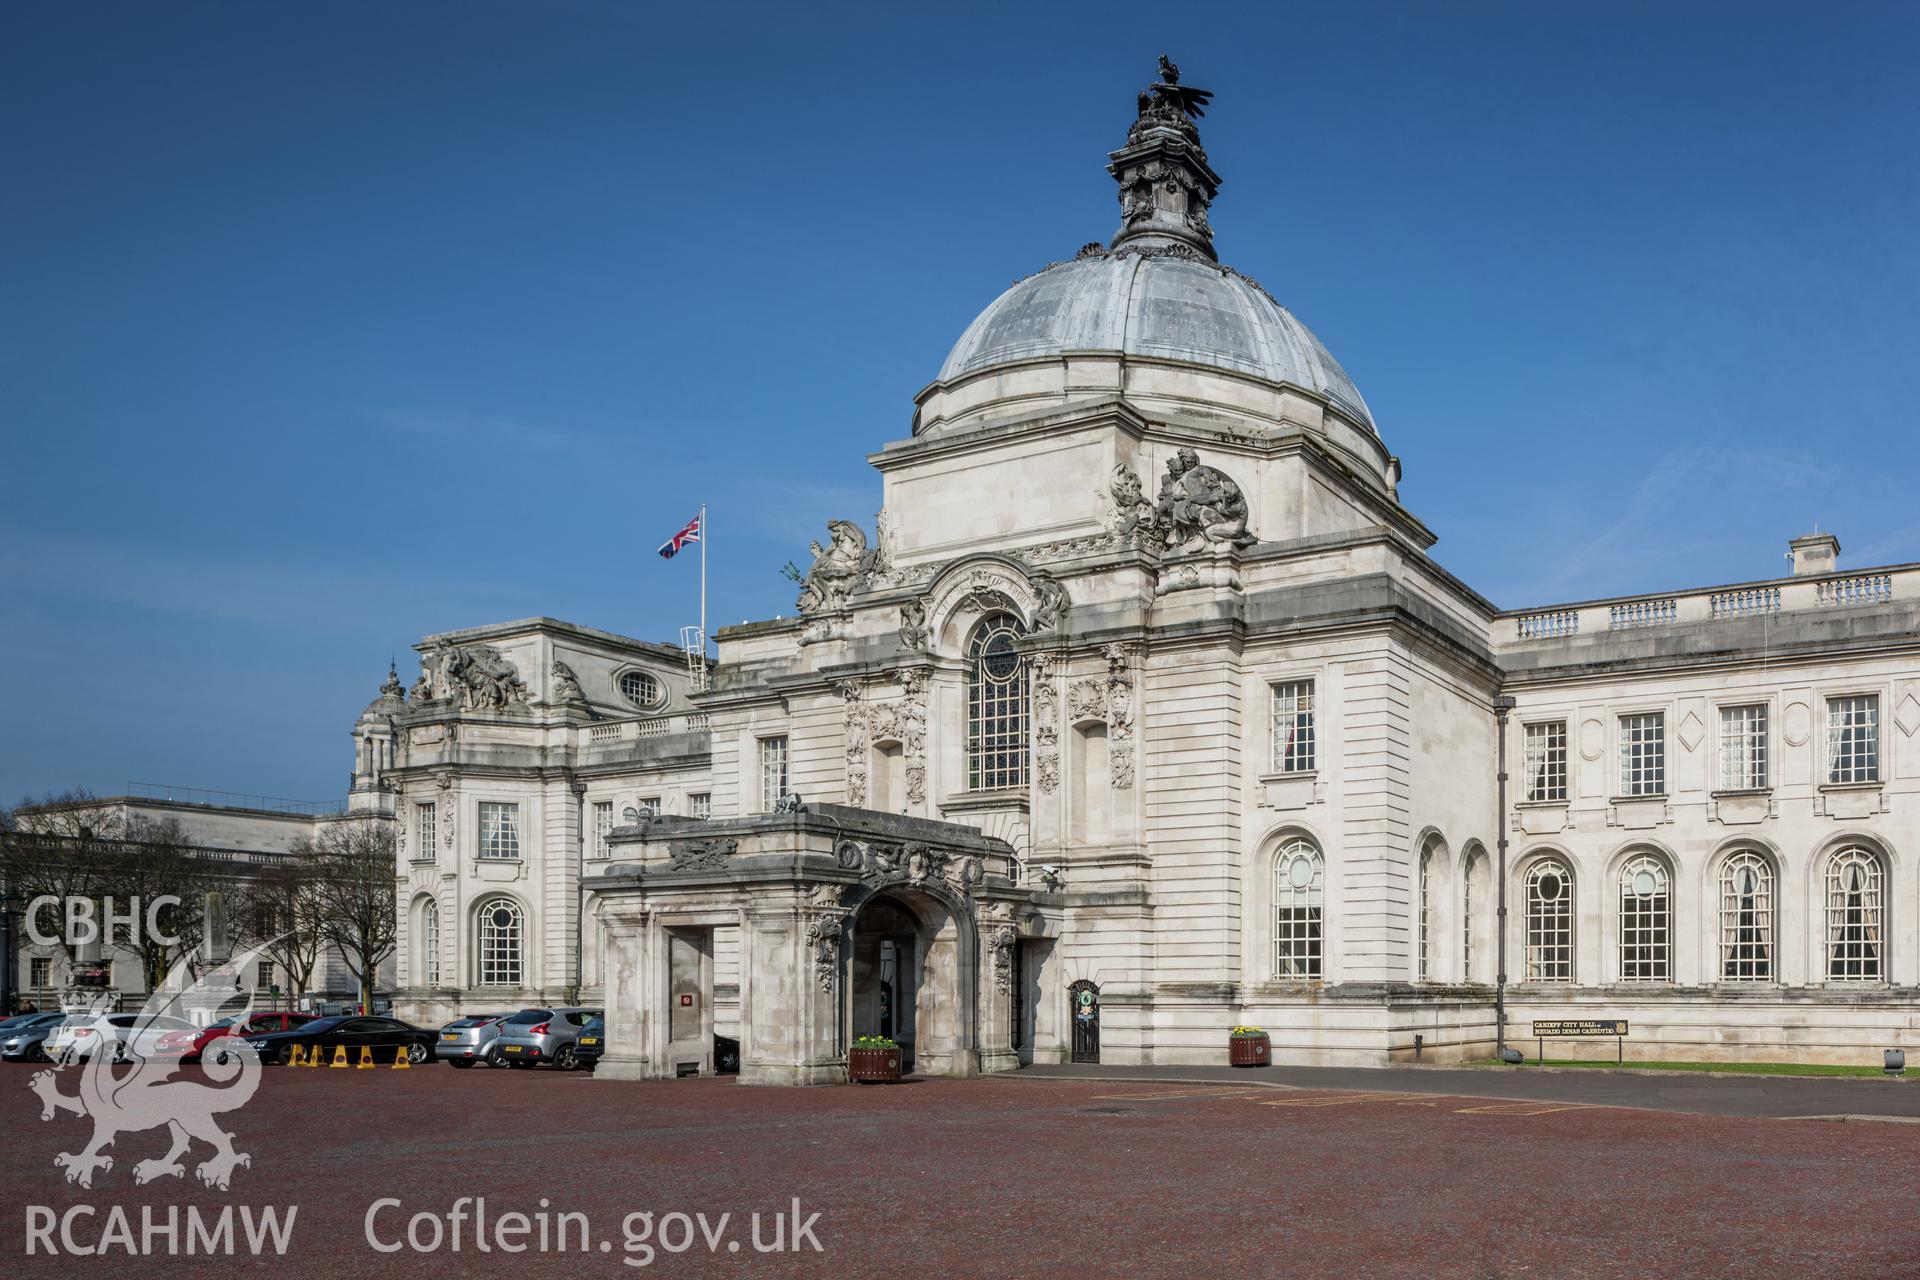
671	547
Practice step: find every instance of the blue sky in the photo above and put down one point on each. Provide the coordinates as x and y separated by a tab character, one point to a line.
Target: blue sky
328	326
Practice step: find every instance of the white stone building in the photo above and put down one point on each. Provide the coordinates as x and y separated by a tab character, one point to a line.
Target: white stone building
1144	610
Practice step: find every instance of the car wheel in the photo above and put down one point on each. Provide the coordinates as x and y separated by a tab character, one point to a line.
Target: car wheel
565	1059
416	1053
493	1059
460	1064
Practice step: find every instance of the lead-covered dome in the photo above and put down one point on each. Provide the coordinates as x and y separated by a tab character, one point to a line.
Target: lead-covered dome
1168	304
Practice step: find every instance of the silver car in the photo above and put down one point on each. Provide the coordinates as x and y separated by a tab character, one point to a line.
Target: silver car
131	1035
472	1038
533	1036
22	1039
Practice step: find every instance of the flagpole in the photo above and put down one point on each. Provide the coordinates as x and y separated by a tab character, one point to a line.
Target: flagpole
703	582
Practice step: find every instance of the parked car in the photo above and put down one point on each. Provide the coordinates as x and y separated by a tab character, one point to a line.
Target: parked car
387	1037
474	1038
591	1043
25	1039
191	1046
534	1036
133	1035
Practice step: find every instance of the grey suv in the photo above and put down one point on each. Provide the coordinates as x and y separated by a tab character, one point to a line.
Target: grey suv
533	1036
470	1039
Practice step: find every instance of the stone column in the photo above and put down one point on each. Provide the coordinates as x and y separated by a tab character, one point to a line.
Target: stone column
998	940
790	1016
635	1019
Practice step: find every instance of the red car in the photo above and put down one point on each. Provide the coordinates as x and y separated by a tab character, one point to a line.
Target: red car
189	1045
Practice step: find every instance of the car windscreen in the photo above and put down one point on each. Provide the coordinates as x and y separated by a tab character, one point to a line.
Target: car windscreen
321	1024
527	1017
467	1024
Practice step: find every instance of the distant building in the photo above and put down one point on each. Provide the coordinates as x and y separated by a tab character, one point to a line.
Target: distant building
238	835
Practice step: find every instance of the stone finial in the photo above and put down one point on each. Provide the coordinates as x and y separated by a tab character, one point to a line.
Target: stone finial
1166	185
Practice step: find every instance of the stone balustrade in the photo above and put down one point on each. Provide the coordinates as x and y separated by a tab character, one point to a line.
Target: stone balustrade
1712	604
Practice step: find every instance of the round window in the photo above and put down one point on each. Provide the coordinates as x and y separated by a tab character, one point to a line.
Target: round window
502	917
1644	883
1001	658
1550	887
639	688
1300	874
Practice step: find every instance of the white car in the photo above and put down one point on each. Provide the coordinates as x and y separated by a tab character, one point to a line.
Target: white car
132	1035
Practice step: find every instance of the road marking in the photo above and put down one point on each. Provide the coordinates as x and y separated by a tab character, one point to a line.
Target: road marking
1178	1093
1520	1109
1332	1102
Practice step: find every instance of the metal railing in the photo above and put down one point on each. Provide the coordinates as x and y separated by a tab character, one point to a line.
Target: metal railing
229	799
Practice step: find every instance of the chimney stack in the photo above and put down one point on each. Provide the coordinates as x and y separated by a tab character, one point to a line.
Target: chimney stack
1815	553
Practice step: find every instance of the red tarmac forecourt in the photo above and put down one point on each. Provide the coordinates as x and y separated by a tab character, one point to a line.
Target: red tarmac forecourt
1007	1177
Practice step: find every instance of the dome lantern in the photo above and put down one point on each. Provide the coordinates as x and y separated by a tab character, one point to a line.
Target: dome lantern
1166	184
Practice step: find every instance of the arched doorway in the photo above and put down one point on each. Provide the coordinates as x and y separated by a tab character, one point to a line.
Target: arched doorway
1084	999
909	977
885	974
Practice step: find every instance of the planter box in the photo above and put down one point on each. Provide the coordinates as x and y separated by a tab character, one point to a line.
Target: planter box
1249	1051
873	1066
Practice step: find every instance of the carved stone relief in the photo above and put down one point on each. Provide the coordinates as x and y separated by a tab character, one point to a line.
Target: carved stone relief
1046	722
700	855
479	675
1200	507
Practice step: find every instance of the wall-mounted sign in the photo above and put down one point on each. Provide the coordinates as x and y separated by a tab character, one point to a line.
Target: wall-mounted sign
1579	1028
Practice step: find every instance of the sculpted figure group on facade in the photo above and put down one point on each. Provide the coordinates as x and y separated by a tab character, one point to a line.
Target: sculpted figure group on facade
1199	507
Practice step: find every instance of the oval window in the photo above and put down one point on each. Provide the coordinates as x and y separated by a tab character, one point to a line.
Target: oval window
639	688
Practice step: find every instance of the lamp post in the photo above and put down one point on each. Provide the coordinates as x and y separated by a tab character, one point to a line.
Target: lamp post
1502	705
10	903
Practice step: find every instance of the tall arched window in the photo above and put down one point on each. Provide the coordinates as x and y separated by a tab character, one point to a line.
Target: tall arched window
1426	912
1549	922
1856	916
430	943
1299	899
1472	868
996	705
1746	918
501	930
1646	920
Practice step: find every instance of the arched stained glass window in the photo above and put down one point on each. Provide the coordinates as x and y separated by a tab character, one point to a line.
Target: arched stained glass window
996	705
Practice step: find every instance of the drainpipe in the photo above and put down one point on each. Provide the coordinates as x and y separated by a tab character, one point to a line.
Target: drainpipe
1502	704
579	790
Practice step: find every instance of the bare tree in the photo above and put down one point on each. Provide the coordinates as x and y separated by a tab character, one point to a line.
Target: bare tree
352	863
280	910
59	847
153	861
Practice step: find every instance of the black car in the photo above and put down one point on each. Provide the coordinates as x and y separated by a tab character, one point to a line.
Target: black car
388	1038
591	1043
